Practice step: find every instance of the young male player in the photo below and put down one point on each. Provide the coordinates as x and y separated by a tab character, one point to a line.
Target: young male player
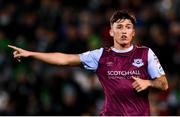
125	71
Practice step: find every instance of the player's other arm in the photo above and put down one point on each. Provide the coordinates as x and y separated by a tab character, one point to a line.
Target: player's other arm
55	58
156	72
159	83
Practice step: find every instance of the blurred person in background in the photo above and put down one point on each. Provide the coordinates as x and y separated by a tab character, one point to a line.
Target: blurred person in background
126	71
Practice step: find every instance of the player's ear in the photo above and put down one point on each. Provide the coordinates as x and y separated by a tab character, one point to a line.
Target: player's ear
134	33
111	33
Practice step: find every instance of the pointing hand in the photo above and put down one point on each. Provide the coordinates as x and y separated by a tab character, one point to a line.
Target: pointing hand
18	52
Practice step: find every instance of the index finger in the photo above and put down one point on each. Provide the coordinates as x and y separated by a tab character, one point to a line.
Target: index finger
14	47
134	78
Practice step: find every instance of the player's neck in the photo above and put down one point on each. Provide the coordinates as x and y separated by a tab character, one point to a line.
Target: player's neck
122	47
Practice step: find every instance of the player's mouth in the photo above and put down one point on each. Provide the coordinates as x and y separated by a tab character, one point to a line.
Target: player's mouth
123	37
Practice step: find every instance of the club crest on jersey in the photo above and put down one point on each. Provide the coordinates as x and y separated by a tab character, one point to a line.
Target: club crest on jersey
138	62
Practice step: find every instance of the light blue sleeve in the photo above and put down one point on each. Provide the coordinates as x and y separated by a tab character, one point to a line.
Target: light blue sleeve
90	59
154	67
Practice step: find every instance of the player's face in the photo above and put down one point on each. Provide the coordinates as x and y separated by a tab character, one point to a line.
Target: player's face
122	31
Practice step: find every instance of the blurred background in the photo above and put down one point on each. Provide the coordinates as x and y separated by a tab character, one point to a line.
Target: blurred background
32	87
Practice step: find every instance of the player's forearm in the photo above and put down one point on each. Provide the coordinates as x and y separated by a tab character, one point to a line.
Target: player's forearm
159	83
56	58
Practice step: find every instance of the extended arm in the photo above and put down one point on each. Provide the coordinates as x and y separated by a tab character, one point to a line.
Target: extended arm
55	58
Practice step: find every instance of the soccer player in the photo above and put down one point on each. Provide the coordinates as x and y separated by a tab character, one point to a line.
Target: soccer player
125	71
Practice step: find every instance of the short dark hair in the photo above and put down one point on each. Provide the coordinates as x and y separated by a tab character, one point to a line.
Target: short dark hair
122	14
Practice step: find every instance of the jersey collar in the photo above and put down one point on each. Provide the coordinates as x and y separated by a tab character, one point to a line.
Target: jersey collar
122	51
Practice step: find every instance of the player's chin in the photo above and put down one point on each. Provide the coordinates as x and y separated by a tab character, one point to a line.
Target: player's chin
125	43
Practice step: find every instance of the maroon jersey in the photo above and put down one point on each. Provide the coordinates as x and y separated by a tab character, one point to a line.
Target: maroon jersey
115	71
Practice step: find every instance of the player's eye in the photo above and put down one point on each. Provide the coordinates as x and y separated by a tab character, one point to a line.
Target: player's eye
128	27
119	27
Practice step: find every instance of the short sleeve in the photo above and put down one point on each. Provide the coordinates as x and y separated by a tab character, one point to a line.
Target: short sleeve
90	59
154	67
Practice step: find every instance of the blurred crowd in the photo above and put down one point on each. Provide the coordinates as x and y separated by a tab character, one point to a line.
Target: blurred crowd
32	87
